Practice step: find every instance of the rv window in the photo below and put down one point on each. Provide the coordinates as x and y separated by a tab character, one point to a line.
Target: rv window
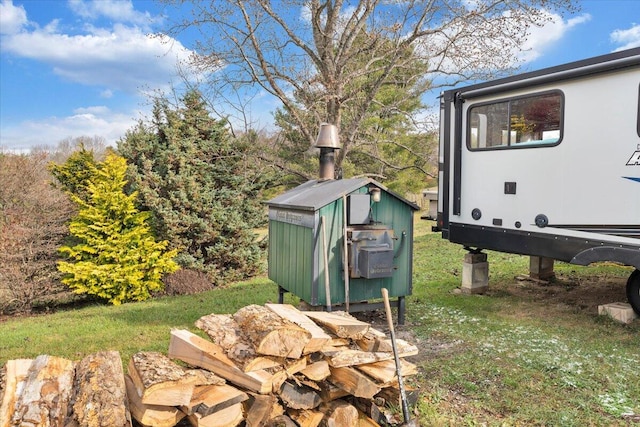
528	121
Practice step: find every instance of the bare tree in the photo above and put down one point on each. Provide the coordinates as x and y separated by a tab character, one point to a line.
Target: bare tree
290	47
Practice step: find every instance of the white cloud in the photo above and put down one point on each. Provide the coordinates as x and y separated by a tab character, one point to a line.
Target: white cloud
541	38
121	58
12	18
116	10
86	121
628	38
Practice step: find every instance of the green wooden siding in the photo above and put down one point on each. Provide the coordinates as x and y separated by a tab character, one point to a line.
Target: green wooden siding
291	257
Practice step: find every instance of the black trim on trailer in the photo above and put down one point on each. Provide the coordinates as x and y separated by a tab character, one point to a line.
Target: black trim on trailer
572	70
563	248
457	155
443	220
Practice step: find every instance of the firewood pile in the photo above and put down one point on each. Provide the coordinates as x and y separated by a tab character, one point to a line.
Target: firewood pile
269	365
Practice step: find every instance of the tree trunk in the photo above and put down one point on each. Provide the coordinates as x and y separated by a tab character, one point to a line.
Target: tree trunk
15	372
44	400
100	394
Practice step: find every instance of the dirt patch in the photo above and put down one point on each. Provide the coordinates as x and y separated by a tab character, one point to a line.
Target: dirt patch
580	294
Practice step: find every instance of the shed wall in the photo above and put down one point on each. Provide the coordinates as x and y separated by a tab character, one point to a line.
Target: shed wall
291	258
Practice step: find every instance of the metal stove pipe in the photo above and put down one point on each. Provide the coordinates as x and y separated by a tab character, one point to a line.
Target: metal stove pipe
328	142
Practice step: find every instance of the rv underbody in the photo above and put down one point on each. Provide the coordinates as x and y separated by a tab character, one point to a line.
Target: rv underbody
547	164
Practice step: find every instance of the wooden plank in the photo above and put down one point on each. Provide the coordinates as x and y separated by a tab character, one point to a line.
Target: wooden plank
270	334
45	396
318	336
160	381
197	351
343	325
15	372
354	382
150	415
100	394
208	399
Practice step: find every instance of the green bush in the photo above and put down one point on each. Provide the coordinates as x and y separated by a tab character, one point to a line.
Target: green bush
116	257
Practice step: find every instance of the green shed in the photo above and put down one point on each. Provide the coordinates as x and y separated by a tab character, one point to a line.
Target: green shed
321	226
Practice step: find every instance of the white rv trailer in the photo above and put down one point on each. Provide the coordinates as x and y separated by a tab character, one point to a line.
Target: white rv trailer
547	163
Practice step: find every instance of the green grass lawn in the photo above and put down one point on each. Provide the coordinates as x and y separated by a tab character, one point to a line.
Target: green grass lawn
501	359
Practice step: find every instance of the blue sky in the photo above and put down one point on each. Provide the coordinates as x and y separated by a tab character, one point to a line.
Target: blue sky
86	67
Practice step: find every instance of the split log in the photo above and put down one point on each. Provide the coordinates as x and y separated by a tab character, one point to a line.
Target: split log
15	373
299	396
204	377
225	332
341	358
392	397
281	421
317	371
270	334
364	421
329	392
383	344
371	411
209	399
197	351
261	408
263	362
229	417
290	368
305	417
100	394
318	337
341	414
385	372
46	393
341	324
160	381
150	415
354	382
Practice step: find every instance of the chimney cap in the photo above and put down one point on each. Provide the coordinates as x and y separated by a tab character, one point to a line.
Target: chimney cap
328	136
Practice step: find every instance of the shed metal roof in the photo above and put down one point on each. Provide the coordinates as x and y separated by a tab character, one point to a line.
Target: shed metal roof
315	194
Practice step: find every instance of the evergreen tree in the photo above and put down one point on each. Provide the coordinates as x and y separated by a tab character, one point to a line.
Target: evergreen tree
117	257
74	174
201	187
